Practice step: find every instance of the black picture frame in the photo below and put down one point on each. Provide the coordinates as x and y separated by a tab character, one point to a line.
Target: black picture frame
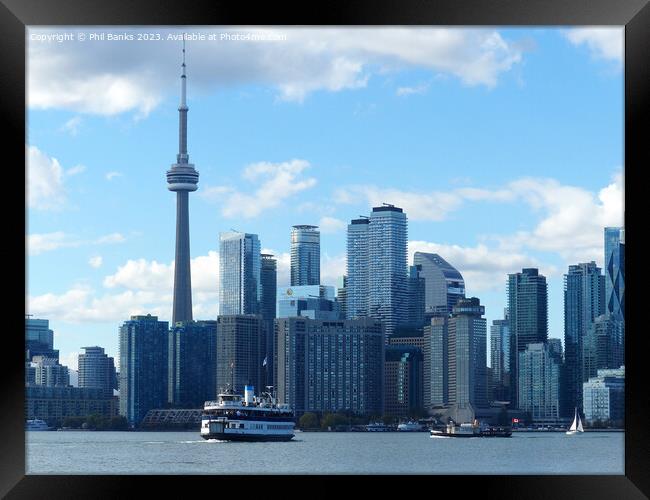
15	15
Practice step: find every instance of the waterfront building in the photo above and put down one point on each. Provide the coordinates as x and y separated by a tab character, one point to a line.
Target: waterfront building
329	366
182	179
305	255
528	316
435	383
467	351
500	358
357	268
268	284
309	301
143	366
240	357
39	339
615	271
48	372
55	404
416	297
443	284
387	267
603	346
539	382
97	370
604	397
192	363
342	296
403	380
584	301
239	273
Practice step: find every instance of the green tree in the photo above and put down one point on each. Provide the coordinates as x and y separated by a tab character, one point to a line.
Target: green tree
308	421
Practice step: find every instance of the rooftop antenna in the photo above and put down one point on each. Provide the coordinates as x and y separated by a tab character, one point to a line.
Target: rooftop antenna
387	204
364	216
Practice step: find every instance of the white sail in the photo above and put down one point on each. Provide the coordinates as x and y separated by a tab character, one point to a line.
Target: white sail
580	429
574	425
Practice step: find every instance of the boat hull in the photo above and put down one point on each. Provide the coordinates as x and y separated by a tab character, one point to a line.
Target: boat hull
248	437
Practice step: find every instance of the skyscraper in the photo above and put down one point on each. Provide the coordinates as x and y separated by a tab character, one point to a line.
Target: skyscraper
39	339
615	271
327	366
467	354
443	284
528	310
97	370
416	296
305	255
435	383
143	366
539	381
342	295
500	358
192	363
584	301
268	283
239	273
182	178
402	380
387	267
357	268
239	352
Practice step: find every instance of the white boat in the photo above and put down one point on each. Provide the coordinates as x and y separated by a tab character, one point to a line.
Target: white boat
377	427
410	426
576	426
252	418
37	425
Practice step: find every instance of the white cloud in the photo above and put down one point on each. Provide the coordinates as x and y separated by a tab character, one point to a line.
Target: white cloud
482	268
418	89
72	126
603	43
433	206
277	182
75	170
331	225
45	242
111	175
71	360
133	76
96	261
44	187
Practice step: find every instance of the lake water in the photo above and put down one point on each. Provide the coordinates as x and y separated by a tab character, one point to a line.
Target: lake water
323	452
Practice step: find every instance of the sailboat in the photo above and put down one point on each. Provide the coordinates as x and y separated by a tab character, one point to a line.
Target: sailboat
576	426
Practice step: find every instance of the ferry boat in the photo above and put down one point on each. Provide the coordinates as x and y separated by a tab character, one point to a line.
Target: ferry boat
471	430
251	418
37	425
377	427
411	426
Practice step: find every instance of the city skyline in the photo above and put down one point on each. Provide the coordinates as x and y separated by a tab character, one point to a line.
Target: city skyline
128	271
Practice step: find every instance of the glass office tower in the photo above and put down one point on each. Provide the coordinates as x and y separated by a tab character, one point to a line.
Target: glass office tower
239	273
305	255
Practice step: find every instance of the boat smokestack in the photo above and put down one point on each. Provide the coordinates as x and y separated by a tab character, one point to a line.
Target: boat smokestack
248	394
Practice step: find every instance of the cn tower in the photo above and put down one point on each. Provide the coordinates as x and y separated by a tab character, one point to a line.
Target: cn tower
182	178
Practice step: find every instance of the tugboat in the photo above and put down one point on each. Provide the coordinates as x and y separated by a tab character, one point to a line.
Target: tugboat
251	418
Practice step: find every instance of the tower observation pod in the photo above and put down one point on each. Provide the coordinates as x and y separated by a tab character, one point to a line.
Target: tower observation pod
182	178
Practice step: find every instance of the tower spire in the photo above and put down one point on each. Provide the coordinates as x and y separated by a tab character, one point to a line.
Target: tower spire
183	157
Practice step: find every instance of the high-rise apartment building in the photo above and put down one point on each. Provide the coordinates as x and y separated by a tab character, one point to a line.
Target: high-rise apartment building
305	255
97	370
342	295
528	315
416	297
268	283
240	357
467	351
602	346
143	366
239	273
327	366
357	268
443	284
500	358
539	382
192	363
435	383
402	380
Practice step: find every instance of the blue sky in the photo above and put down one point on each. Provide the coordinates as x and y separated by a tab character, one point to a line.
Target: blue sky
503	146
